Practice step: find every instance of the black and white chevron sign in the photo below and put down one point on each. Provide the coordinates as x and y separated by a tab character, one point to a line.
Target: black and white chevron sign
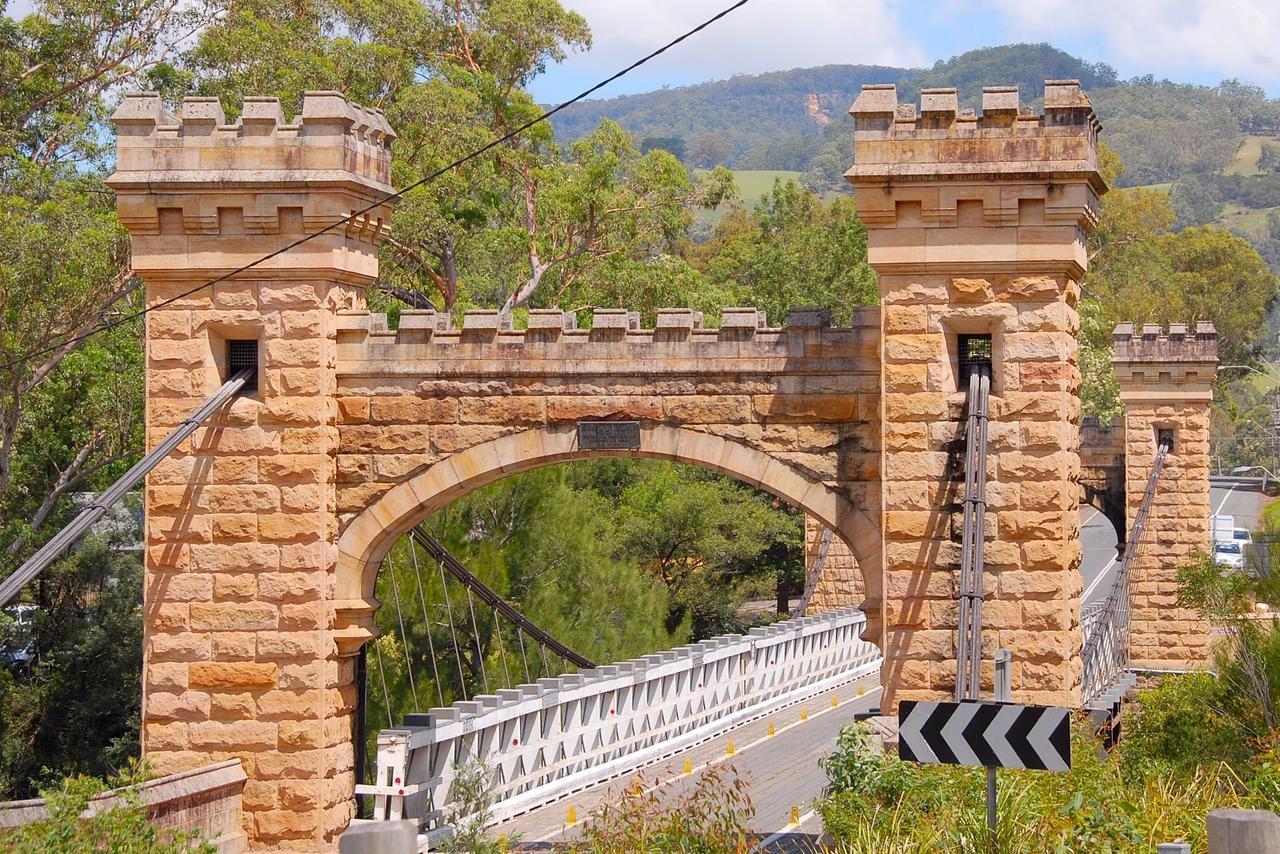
974	732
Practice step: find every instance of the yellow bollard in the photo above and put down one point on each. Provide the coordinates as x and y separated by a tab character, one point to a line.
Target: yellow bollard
503	845
834	701
572	818
795	814
861	691
688	767
804	713
728	750
772	731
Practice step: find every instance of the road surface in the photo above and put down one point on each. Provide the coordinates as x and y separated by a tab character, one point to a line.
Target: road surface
1241	500
781	769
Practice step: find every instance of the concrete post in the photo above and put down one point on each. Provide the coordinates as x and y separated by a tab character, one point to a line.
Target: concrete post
1166	386
976	227
242	656
1244	832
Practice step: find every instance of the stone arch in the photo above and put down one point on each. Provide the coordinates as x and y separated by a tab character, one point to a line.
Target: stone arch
369	536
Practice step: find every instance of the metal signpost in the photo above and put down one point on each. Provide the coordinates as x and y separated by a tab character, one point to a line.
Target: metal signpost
994	734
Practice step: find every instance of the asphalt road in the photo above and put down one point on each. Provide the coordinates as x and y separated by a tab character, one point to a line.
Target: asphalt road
781	771
1241	500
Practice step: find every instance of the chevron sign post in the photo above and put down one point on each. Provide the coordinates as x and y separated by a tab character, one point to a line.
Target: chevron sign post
994	735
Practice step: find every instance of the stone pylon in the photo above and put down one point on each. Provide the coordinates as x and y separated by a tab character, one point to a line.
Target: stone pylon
242	656
977	226
1166	385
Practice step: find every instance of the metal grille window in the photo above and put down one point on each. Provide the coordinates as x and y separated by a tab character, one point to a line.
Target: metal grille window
975	355
1164	436
240	355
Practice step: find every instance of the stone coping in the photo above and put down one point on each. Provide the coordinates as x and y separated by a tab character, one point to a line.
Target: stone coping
155	794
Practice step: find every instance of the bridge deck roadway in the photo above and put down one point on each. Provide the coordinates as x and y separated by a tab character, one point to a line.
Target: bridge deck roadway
781	770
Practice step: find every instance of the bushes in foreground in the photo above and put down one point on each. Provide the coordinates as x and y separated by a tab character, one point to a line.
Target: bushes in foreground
878	804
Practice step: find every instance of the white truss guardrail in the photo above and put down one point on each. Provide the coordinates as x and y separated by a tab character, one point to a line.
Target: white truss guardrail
564	734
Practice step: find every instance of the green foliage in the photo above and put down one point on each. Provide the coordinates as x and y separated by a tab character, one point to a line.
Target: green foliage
793	250
1141	271
470	807
748	110
711	818
121	829
1026	66
1247	656
75	710
1269	158
1165	130
879	803
1179	725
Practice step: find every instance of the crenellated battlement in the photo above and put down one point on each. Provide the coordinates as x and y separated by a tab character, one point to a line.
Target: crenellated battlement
1152	363
198	193
1006	138
330	135
486	343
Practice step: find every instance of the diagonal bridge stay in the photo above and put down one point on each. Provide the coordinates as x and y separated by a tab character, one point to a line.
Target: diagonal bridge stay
61	541
1106	626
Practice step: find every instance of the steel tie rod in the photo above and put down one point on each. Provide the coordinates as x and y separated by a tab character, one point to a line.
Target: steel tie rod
62	540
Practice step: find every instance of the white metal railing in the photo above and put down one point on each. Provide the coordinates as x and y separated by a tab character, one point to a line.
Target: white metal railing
1105	627
543	741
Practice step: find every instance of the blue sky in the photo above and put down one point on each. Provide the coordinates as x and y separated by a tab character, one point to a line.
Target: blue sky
1193	42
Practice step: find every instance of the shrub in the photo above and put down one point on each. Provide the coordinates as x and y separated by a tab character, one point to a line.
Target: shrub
1179	725
711	818
123	829
878	803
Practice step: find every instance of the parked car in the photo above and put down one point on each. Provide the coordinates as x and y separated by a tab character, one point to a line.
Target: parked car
1229	553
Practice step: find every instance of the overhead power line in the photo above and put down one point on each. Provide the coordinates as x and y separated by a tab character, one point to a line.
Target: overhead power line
398	194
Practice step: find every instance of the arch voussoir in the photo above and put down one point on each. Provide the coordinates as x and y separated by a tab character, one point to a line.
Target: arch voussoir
367	538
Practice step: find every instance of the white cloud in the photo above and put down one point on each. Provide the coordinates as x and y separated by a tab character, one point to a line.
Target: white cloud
1173	38
764	35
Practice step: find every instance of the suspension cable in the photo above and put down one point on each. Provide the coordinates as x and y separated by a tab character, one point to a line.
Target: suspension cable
398	194
426	621
502	651
471	582
523	654
475	630
457	651
382	675
404	636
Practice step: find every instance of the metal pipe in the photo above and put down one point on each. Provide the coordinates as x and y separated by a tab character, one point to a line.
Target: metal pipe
63	540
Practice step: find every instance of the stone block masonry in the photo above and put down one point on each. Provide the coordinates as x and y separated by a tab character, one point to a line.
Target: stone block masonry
976	226
239	656
265	530
1166	385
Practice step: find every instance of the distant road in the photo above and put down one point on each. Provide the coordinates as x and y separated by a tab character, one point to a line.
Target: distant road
1243	500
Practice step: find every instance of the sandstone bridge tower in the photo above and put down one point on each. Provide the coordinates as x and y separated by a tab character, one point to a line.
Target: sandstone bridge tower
976	226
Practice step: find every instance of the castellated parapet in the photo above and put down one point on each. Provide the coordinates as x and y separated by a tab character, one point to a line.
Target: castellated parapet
185	182
943	167
1154	365
976	226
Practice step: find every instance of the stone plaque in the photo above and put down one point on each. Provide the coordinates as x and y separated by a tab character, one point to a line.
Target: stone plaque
609	435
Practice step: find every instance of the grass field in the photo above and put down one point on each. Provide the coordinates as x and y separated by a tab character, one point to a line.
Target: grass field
754	183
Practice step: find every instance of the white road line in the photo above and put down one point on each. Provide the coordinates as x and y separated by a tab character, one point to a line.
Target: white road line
1223	502
723	757
1087	519
1093	585
789	829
